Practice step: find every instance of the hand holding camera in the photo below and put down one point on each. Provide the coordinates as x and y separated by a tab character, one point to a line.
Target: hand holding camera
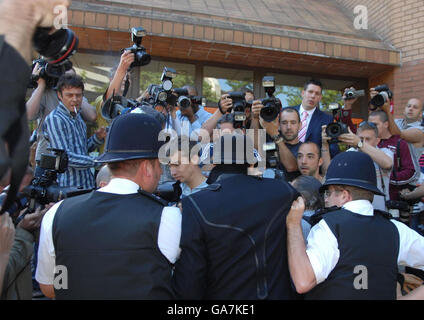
380	98
350	138
225	103
350	96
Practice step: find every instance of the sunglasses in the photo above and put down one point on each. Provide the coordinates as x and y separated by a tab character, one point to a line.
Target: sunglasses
367	123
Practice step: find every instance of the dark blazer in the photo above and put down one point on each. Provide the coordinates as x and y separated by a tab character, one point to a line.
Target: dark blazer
319	118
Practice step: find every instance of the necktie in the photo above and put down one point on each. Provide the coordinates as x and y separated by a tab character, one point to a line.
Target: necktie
302	132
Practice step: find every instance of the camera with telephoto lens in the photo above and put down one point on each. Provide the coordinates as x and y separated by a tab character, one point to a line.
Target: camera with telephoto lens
384	95
141	57
117	105
353	94
272	105
45	189
336	128
55	50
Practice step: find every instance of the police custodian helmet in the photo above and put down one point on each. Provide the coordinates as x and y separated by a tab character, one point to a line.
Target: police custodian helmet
352	169
132	136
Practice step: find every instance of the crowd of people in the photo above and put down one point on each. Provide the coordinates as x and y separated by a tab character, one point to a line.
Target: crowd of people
230	231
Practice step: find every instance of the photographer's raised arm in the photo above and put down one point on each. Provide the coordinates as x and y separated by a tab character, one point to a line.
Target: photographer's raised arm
127	58
211	123
325	150
33	104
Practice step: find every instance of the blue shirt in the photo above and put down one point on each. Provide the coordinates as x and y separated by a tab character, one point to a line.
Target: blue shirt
65	131
187	127
186	191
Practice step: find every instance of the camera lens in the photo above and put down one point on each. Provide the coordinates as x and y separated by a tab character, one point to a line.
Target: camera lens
333	130
162	96
142	58
184	102
378	101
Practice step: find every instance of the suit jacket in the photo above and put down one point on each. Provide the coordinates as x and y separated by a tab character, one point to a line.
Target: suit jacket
319	118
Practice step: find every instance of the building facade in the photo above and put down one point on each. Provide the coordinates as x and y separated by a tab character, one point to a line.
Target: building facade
244	40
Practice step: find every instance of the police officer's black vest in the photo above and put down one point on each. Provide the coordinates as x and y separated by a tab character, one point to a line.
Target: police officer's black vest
108	243
367	267
243	223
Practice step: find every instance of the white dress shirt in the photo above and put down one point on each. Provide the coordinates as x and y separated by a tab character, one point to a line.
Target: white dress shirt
168	237
323	252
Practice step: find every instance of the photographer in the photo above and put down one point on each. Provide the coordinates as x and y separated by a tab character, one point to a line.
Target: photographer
403	167
366	140
192	118
284	133
42	102
224	104
64	129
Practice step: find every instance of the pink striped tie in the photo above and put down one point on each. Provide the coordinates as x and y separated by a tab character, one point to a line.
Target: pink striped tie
302	132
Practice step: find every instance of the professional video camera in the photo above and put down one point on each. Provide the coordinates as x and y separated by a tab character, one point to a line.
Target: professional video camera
44	189
336	128
142	58
353	94
272	105
385	94
55	49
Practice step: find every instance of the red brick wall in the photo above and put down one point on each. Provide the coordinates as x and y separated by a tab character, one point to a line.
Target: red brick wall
402	26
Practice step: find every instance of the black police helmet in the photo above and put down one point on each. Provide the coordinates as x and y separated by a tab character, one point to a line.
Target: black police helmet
132	136
352	169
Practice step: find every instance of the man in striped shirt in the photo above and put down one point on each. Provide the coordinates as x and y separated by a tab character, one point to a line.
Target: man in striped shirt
65	129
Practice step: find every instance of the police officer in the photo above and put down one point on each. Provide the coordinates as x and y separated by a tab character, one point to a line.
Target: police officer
233	238
354	251
117	242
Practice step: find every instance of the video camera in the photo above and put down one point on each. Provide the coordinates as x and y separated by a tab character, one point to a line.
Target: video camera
385	94
353	94
56	49
336	128
272	105
141	57
44	189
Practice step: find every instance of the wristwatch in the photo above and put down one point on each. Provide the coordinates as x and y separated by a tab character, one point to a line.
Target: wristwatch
360	144
277	138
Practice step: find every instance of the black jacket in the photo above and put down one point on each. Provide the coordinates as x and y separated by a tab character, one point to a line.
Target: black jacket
234	240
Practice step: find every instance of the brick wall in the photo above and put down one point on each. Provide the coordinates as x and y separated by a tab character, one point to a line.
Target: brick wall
399	23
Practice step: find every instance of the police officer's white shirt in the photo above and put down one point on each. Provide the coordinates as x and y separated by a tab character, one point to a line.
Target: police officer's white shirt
322	247
168	237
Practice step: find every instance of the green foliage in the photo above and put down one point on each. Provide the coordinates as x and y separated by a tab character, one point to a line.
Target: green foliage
237	85
294	96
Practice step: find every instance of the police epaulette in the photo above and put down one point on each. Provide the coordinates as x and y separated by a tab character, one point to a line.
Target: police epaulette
318	215
213	187
384	214
153	197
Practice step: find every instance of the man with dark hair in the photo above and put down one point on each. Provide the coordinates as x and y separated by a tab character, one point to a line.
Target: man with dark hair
43	101
223	246
64	129
284	133
403	166
311	117
120	241
354	251
184	165
309	160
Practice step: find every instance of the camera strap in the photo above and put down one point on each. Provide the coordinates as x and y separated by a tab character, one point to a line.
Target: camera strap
127	84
